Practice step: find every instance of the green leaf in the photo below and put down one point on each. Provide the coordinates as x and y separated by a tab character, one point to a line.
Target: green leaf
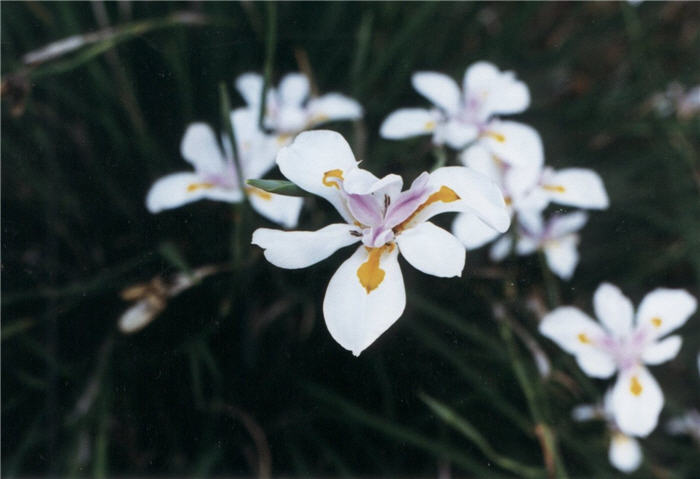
279	187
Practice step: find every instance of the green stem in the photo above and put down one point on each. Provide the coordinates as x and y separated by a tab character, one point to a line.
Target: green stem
270	42
550	282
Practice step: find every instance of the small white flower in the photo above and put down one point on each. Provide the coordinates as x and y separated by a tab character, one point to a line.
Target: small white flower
467	116
215	176
289	109
623	345
366	294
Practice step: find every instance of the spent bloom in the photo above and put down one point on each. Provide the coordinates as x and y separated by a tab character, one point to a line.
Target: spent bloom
460	117
624	452
366	294
215	176
623	343
290	109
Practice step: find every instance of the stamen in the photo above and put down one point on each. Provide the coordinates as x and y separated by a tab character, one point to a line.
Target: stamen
337	174
251	190
635	387
199	186
369	273
445	194
554	188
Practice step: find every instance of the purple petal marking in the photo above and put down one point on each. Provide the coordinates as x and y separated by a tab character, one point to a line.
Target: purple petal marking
365	209
408	201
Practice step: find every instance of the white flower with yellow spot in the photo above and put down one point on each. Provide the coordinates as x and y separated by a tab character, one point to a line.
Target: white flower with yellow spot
624	345
215	176
289	109
366	294
464	117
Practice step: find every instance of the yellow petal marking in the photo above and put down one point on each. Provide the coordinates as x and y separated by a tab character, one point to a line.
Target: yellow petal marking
656	321
319	118
262	194
554	188
508	200
199	186
283	139
583	338
429	125
369	272
328	175
444	194
496	136
635	388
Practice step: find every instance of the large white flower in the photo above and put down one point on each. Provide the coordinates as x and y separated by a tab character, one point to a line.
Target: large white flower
289	109
624	345
460	117
366	294
215	176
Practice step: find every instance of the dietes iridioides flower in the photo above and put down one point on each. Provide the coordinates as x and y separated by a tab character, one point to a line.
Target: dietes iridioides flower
366	294
621	343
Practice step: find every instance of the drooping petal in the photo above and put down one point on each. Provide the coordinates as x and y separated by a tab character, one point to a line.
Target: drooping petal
496	91
250	86
515	143
564	225
501	248
475	193
332	107
662	351
283	210
562	255
178	189
200	148
578	187
624	453
595	363
663	310
572	330
472	232
440	89
527	245
408	122
365	297
299	249
455	133
315	162
293	89
613	309
432	250
636	401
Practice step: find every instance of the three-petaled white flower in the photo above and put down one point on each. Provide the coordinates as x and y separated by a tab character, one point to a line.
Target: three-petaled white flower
463	117
289	109
366	294
624	452
624	346
215	176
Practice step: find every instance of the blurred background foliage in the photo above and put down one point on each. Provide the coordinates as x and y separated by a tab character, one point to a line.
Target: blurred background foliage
238	375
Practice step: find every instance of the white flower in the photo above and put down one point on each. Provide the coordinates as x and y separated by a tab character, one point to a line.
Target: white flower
688	423
215	176
466	116
289	110
623	345
366	294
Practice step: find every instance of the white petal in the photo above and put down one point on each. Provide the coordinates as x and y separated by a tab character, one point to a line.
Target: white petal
200	148
478	194
432	250
564	225
571	329
139	316
664	310
625	453
408	122
515	143
531	223
527	245
520	183
662	351
613	309
333	107
472	232
479	158
585	412
355	317
636	401
283	210
250	86
178	189
310	157
501	248
562	256
440	89
299	249
499	91
293	89
456	134
577	187
256	149
595	363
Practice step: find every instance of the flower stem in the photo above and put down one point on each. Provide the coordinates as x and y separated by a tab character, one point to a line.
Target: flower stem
270	43
550	283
